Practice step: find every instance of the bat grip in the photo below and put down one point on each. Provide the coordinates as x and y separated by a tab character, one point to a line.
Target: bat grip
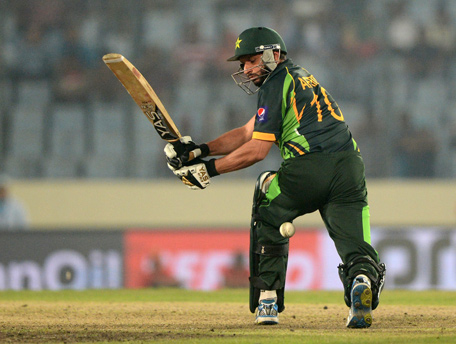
178	147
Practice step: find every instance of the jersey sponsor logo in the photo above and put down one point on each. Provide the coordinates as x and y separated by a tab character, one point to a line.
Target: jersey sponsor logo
262	114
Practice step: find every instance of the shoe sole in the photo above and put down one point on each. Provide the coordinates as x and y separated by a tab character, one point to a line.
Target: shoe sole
271	320
361	309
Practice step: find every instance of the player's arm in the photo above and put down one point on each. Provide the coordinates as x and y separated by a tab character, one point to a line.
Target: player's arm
248	154
243	151
222	145
232	140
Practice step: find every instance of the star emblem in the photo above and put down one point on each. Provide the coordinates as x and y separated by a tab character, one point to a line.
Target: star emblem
238	42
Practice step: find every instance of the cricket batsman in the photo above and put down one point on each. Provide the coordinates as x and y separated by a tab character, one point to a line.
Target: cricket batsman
322	170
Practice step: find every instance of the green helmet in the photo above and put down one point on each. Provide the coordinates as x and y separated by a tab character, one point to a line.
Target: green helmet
256	40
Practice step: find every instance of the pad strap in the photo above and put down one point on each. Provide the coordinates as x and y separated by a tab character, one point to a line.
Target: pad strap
257	282
272	250
377	282
363	259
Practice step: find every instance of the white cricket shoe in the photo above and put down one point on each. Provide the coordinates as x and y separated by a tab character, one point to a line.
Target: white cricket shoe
360	315
267	312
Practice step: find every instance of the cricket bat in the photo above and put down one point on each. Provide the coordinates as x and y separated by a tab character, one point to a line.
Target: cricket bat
144	95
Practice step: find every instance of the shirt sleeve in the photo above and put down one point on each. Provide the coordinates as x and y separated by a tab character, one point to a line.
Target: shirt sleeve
268	118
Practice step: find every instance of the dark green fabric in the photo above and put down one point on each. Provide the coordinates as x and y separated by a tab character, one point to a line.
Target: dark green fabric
254	40
322	169
332	183
302	116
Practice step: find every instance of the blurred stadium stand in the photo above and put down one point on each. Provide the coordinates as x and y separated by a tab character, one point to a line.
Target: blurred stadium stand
64	115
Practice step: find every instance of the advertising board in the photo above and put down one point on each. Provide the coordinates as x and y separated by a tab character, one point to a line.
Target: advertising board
61	260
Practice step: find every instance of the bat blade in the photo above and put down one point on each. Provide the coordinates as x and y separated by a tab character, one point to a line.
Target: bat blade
144	95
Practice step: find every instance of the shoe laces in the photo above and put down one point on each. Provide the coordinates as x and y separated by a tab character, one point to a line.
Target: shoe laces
267	307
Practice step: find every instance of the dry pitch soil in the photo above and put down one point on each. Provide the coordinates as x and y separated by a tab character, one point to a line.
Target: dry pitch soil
61	322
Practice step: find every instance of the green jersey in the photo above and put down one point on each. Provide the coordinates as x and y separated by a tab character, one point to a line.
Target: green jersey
299	115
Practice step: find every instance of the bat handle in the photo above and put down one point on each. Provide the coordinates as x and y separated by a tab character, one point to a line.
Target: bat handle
180	150
178	147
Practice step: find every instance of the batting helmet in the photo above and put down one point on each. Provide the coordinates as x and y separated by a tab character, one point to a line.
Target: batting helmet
256	40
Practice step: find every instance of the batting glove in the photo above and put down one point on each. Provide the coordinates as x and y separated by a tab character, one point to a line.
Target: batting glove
187	151
198	175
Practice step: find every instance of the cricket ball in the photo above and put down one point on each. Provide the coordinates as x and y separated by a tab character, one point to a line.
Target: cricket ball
287	229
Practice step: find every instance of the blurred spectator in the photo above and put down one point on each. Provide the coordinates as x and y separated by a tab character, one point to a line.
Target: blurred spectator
193	65
13	215
361	36
237	275
155	67
422	60
321	35
119	37
403	30
440	36
383	52
416	150
441	31
32	37
195	54
29	57
369	135
106	90
71	82
70	79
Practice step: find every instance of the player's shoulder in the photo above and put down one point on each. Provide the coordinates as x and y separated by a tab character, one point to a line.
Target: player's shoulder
278	77
295	69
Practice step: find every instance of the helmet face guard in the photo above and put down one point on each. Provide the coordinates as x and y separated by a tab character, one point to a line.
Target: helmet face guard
267	66
244	82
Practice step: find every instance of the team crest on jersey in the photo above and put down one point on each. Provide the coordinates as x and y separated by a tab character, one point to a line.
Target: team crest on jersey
262	114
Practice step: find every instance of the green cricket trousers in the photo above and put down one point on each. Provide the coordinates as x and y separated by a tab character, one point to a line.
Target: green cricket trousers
332	183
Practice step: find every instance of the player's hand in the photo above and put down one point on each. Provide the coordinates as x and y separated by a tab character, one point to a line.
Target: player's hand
195	176
189	150
198	175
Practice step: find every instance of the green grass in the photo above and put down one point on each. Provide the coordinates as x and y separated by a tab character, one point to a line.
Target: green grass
183	316
389	297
